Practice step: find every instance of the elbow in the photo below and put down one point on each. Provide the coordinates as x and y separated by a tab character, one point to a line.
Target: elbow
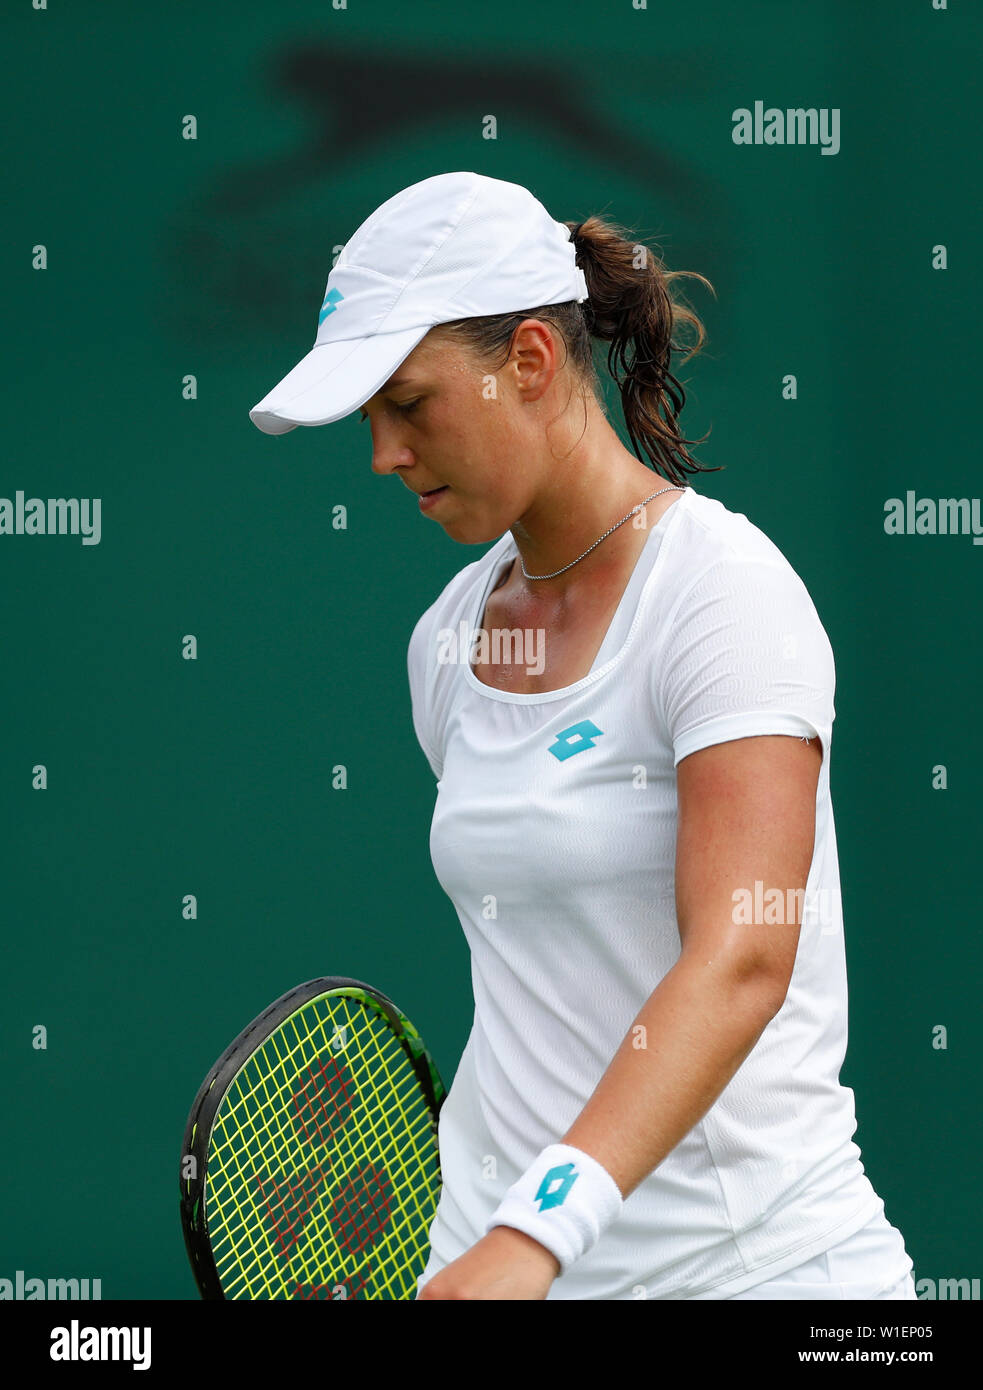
773	999
767	990
755	989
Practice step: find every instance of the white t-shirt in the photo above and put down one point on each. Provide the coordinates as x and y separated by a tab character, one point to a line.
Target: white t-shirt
554	837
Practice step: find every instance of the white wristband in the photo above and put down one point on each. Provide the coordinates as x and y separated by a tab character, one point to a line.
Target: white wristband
565	1200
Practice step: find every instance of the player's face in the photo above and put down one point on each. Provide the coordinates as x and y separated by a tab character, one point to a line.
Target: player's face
443	420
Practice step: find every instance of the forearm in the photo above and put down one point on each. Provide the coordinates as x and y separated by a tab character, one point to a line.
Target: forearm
684	1047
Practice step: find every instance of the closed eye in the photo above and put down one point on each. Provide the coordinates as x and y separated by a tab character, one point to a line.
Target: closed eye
403	409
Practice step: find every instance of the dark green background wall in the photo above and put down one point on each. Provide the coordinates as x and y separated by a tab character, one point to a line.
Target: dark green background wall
213	777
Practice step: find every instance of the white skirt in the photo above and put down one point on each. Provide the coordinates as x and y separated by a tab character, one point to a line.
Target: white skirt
872	1263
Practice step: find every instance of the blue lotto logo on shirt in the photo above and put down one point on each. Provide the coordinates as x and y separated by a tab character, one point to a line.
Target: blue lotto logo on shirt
565	1175
575	739
331	300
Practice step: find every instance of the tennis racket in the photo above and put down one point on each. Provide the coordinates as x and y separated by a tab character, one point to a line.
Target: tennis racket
310	1166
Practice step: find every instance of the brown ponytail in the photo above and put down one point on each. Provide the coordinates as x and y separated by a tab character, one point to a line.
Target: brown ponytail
630	307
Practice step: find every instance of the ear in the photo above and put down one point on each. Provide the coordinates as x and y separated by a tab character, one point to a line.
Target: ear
534	358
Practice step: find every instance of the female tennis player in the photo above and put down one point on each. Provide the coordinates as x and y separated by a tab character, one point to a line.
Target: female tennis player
627	703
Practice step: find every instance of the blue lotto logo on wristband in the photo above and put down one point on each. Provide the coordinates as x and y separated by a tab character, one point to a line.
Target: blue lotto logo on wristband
556	1184
565	1200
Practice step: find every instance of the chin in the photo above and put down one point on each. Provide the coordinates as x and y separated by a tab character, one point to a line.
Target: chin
473	535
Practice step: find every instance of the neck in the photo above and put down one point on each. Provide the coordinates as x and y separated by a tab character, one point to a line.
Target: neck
599	484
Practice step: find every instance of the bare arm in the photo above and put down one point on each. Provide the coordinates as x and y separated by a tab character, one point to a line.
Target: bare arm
746	813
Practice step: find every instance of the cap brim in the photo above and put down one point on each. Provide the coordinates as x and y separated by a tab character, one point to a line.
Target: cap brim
333	380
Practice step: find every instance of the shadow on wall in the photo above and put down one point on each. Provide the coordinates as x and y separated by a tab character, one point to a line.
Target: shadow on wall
256	235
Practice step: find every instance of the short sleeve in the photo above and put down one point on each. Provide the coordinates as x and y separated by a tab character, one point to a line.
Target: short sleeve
422	692
744	653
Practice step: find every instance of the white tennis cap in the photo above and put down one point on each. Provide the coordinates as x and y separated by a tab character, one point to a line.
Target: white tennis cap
454	246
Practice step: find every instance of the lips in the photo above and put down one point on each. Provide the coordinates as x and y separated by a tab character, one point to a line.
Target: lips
430	499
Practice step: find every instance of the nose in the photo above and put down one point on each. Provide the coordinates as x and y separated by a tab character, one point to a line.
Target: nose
388	453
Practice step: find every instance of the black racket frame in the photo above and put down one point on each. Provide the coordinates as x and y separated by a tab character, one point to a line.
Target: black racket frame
212	1091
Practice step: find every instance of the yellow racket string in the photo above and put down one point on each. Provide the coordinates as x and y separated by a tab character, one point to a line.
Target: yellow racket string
322	1169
